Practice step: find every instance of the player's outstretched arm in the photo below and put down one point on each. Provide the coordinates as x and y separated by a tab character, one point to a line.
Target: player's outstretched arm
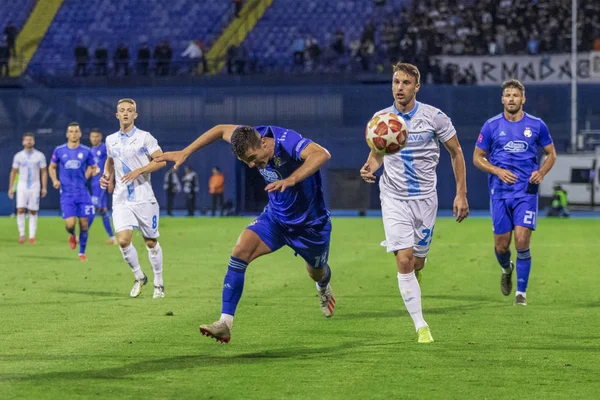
314	157
461	205
11	182
481	162
52	173
538	176
374	162
152	166
212	135
44	174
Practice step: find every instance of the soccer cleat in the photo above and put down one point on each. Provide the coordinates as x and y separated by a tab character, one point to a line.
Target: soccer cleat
218	330
32	240
72	241
21	239
159	292
520	300
506	281
326	300
419	275
137	286
424	335
82	257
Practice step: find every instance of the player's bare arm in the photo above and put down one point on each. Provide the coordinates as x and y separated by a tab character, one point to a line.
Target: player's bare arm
480	161
109	173
52	173
374	162
11	182
538	176
461	205
44	173
212	135
314	156
152	166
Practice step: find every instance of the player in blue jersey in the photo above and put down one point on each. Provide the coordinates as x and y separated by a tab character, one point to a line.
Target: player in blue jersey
295	216
75	166
99	197
508	149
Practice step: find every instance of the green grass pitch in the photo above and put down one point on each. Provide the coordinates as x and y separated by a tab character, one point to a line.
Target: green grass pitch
70	330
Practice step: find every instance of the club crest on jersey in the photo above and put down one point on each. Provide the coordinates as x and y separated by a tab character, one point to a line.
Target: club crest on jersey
277	161
80	156
270	175
98	152
527	132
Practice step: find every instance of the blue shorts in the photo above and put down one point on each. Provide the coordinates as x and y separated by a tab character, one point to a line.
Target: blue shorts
99	198
508	213
76	206
311	243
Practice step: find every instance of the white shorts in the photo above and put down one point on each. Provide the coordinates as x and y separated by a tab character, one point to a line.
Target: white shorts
29	199
408	223
142	216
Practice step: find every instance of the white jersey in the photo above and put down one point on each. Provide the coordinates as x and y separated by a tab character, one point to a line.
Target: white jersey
29	163
410	173
129	152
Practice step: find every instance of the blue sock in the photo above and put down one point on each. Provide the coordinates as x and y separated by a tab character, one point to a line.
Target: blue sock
503	259
71	231
107	225
91	219
233	286
83	236
326	278
523	269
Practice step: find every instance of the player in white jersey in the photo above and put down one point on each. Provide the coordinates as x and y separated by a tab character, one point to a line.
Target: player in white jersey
130	153
30	164
408	186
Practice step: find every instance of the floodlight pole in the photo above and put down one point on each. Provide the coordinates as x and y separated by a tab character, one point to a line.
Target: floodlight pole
573	75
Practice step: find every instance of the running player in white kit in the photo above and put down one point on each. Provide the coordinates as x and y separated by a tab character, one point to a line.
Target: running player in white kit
29	163
408	186
129	160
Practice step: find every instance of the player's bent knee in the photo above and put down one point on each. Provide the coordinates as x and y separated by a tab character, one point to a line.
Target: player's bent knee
405	260
243	252
151	243
32	212
124	242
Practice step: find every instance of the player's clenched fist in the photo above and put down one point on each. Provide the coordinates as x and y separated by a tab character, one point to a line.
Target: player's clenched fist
105	181
56	184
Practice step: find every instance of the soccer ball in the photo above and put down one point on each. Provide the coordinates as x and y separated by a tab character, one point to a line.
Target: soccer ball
386	133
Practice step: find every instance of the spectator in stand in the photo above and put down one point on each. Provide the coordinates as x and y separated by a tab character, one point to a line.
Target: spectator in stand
143	59
237	7
82	57
121	59
191	186
101	60
4	57
163	55
193	52
171	186
10	35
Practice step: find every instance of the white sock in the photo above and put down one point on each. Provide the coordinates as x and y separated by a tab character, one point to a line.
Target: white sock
520	293
156	260
21	224
32	225
228	319
411	294
131	257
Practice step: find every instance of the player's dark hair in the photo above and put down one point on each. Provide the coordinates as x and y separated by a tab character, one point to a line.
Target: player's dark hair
513	84
28	134
408	69
96	130
244	138
74	123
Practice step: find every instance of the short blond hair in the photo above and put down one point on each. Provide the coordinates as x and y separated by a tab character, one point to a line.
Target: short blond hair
408	69
127	100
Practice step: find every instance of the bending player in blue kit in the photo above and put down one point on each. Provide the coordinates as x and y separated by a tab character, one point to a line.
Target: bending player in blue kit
507	149
75	166
295	216
99	198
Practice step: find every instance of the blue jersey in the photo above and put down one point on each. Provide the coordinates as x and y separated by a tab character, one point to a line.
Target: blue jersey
99	154
72	164
514	146
302	204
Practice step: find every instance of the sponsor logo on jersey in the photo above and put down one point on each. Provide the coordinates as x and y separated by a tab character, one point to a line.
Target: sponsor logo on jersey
527	132
72	164
270	175
516	146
